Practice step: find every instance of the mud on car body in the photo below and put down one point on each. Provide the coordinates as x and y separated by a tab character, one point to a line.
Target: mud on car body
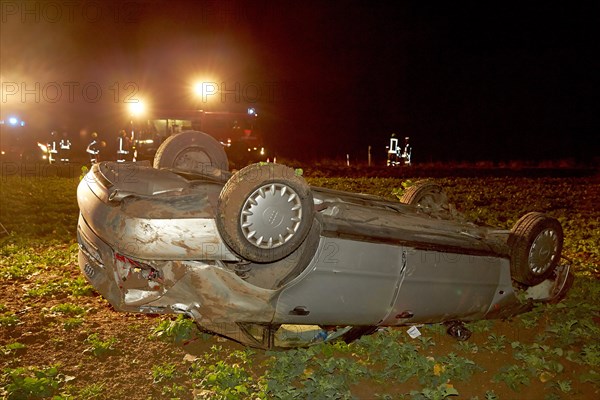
264	259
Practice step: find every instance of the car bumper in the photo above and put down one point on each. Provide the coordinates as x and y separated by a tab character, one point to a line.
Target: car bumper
205	290
150	226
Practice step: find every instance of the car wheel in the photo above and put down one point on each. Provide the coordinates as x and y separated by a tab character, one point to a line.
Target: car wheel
535	243
265	212
426	194
192	151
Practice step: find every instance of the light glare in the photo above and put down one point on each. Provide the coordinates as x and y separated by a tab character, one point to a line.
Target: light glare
137	108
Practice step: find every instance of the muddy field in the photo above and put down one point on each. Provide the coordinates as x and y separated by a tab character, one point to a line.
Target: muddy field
59	339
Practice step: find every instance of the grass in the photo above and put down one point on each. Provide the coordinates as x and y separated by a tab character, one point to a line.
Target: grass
49	316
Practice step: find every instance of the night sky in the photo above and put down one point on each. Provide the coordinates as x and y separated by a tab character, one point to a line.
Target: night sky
484	81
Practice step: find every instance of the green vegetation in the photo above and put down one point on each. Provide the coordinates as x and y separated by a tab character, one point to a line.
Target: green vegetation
98	346
49	315
11	348
177	330
92	391
163	372
225	375
32	382
8	318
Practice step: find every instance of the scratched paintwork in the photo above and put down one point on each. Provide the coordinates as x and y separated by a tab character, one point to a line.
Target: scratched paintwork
149	243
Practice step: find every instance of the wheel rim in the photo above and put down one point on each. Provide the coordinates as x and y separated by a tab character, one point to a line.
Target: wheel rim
431	200
192	159
543	251
428	201
271	216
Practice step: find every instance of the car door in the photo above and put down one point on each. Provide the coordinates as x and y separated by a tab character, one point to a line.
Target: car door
349	282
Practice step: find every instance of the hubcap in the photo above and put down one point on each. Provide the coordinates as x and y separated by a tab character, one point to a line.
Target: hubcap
271	216
193	160
429	201
543	251
432	198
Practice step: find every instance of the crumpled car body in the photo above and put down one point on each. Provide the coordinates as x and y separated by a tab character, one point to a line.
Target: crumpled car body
263	259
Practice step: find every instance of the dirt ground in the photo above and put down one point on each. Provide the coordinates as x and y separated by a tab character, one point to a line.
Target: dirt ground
126	372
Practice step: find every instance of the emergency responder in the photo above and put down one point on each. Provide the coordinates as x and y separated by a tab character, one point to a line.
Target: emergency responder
65	148
392	154
122	147
52	147
397	155
93	149
407	152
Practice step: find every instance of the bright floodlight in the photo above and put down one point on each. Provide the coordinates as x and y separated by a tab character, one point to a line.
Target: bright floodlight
206	89
198	88
13	120
137	108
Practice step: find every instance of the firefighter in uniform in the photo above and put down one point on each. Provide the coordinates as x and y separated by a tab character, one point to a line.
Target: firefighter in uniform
407	152
392	156
122	147
93	149
397	155
65	148
52	148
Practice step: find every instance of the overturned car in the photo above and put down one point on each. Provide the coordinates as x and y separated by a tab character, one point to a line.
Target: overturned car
264	259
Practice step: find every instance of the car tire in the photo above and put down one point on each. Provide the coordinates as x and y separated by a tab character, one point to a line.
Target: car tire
265	212
426	194
192	151
535	242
